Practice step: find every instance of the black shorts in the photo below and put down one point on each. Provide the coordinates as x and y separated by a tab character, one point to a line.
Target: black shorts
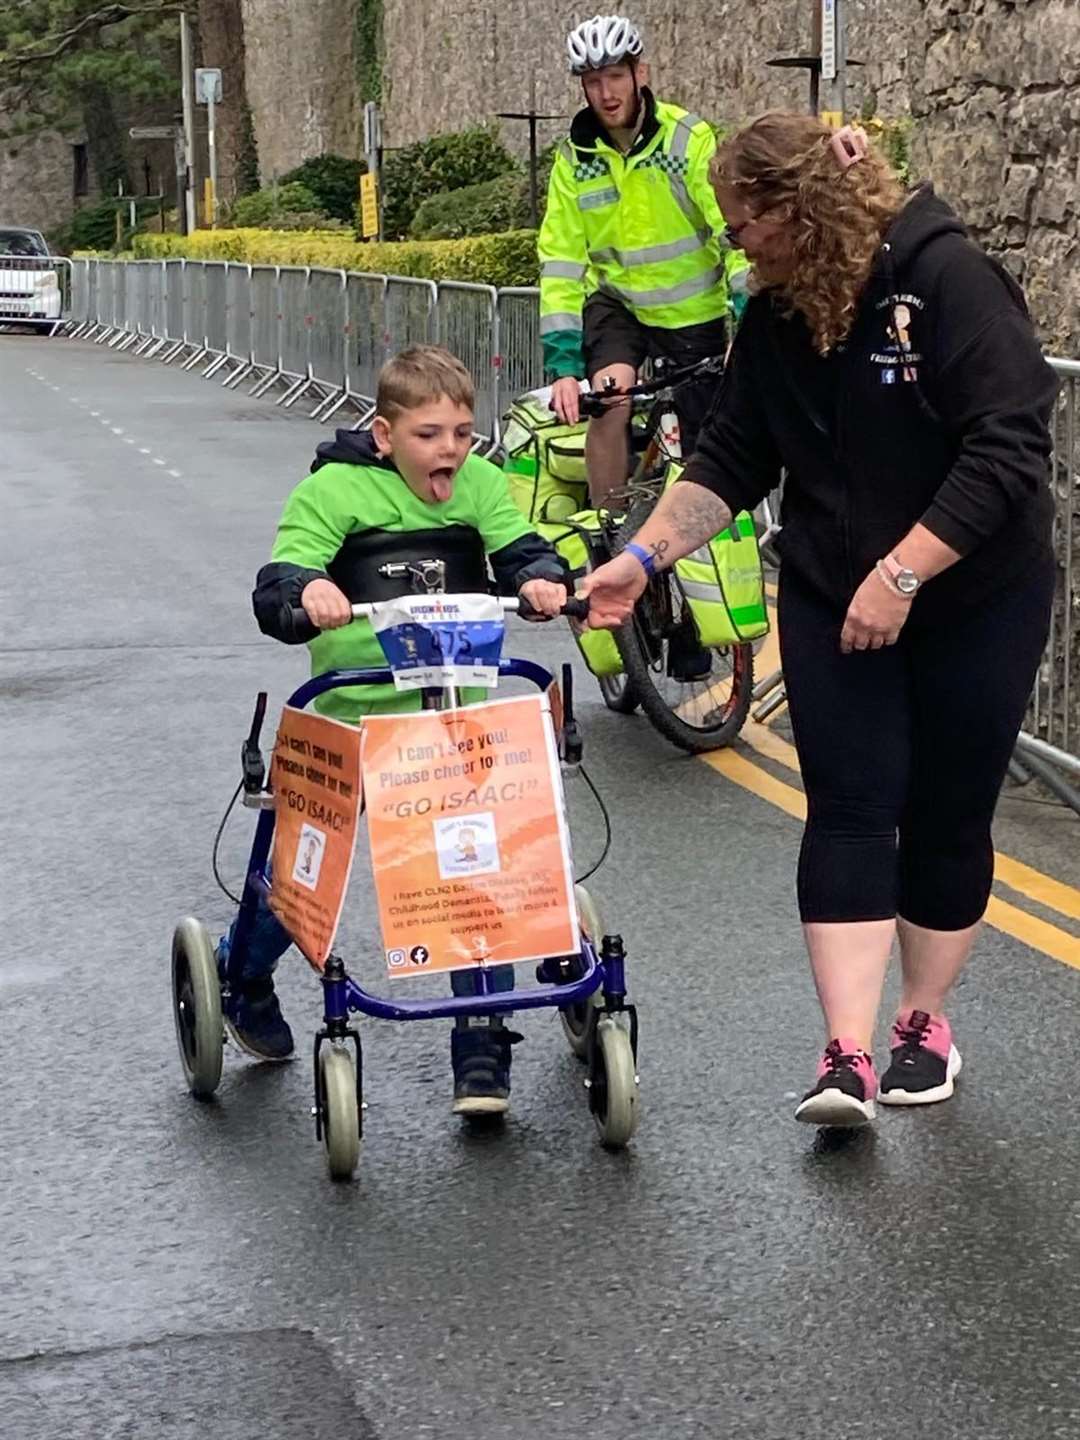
613	336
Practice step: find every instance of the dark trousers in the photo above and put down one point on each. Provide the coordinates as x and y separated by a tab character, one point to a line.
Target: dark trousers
904	750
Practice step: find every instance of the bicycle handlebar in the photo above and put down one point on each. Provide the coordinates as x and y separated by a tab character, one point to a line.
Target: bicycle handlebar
595	402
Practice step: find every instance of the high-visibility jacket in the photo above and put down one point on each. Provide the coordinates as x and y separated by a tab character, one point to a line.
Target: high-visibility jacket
643	227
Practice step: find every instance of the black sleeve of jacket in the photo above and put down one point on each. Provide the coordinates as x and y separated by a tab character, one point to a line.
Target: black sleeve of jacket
529	558
736	456
995	394
278	587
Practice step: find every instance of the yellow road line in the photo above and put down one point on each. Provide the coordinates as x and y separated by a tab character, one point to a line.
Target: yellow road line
1054	894
1029	929
751	777
1034	932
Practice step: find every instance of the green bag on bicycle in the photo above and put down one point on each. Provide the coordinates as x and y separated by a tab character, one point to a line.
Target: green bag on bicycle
545	464
723	583
580	542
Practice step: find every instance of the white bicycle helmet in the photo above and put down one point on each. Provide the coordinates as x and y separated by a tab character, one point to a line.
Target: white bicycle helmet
603	40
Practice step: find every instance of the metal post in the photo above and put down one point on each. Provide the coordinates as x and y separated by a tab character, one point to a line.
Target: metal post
533	118
834	60
189	123
213	160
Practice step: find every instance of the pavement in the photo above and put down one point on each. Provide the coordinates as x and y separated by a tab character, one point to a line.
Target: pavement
170	1269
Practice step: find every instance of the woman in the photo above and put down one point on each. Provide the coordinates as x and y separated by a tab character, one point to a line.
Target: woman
890	367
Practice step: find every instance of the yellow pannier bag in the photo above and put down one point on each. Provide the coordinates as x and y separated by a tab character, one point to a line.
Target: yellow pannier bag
723	583
580	542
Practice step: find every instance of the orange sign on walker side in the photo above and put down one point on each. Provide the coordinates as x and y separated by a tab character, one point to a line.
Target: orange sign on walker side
315	775
468	837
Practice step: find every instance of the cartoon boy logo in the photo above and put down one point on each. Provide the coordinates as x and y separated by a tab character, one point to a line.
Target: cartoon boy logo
466	849
309	857
901	319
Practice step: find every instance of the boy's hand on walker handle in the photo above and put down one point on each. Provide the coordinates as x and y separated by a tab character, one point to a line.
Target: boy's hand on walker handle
325	605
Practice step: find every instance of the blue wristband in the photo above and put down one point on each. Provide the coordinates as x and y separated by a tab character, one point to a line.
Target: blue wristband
647	558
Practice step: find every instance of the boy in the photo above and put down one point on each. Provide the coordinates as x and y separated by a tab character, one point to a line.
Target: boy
412	471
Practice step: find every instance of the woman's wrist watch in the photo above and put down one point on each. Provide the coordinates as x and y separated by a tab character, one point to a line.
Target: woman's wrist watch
898	576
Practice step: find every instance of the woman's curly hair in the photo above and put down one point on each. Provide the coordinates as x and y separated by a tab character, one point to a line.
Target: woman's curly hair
838	217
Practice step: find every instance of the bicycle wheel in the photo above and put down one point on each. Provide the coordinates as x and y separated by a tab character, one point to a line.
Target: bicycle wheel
618	693
697	714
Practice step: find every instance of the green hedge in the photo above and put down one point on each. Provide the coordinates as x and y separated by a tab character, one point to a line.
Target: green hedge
445	162
506	259
487	209
333	180
272	204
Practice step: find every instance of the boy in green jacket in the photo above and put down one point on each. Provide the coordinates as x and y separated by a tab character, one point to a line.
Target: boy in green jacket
412	472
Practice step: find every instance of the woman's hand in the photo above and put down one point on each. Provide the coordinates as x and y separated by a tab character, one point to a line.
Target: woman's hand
325	605
547	597
612	590
875	616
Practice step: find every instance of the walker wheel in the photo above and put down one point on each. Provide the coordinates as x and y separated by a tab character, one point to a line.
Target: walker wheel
340	1105
579	1021
196	994
613	1084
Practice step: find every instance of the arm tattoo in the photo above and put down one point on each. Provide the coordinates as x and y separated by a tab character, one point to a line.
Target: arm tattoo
696	514
659	549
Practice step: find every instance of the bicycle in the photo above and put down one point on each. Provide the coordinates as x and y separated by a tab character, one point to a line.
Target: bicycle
698	706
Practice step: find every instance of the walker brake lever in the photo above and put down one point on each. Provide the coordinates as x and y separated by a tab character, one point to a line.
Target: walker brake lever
251	760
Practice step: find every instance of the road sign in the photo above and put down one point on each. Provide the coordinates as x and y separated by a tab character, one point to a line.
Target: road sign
828	39
208	87
152	132
372	129
369	205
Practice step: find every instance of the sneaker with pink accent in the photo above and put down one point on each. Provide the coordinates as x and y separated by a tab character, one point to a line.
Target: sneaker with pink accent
845	1089
925	1062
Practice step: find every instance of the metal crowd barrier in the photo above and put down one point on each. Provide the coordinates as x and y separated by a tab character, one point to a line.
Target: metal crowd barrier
1049	745
467	323
521	365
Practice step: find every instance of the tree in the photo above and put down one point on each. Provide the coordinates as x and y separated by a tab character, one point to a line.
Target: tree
66	64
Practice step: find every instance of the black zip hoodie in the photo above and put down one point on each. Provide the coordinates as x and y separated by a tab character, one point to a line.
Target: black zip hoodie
935	409
279	584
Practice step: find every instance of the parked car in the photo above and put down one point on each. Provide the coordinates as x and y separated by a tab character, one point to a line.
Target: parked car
30	292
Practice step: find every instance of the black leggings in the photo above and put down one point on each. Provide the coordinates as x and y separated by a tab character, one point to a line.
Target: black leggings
903	752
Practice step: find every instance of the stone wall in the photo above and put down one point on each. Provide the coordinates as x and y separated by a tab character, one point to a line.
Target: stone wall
996	95
448	65
301	80
36	181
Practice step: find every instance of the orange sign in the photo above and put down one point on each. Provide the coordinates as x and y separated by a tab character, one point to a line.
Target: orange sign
468	837
315	776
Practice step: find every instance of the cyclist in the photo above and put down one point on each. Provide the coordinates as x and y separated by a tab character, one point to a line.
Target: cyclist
633	262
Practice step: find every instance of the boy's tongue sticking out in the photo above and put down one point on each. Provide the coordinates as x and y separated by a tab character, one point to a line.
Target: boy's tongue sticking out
442	483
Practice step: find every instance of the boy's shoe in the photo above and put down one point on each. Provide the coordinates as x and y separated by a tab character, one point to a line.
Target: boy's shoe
253	1018
845	1089
925	1062
480	1053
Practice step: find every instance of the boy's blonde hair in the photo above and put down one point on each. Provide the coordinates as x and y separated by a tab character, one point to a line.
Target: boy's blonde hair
419	376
